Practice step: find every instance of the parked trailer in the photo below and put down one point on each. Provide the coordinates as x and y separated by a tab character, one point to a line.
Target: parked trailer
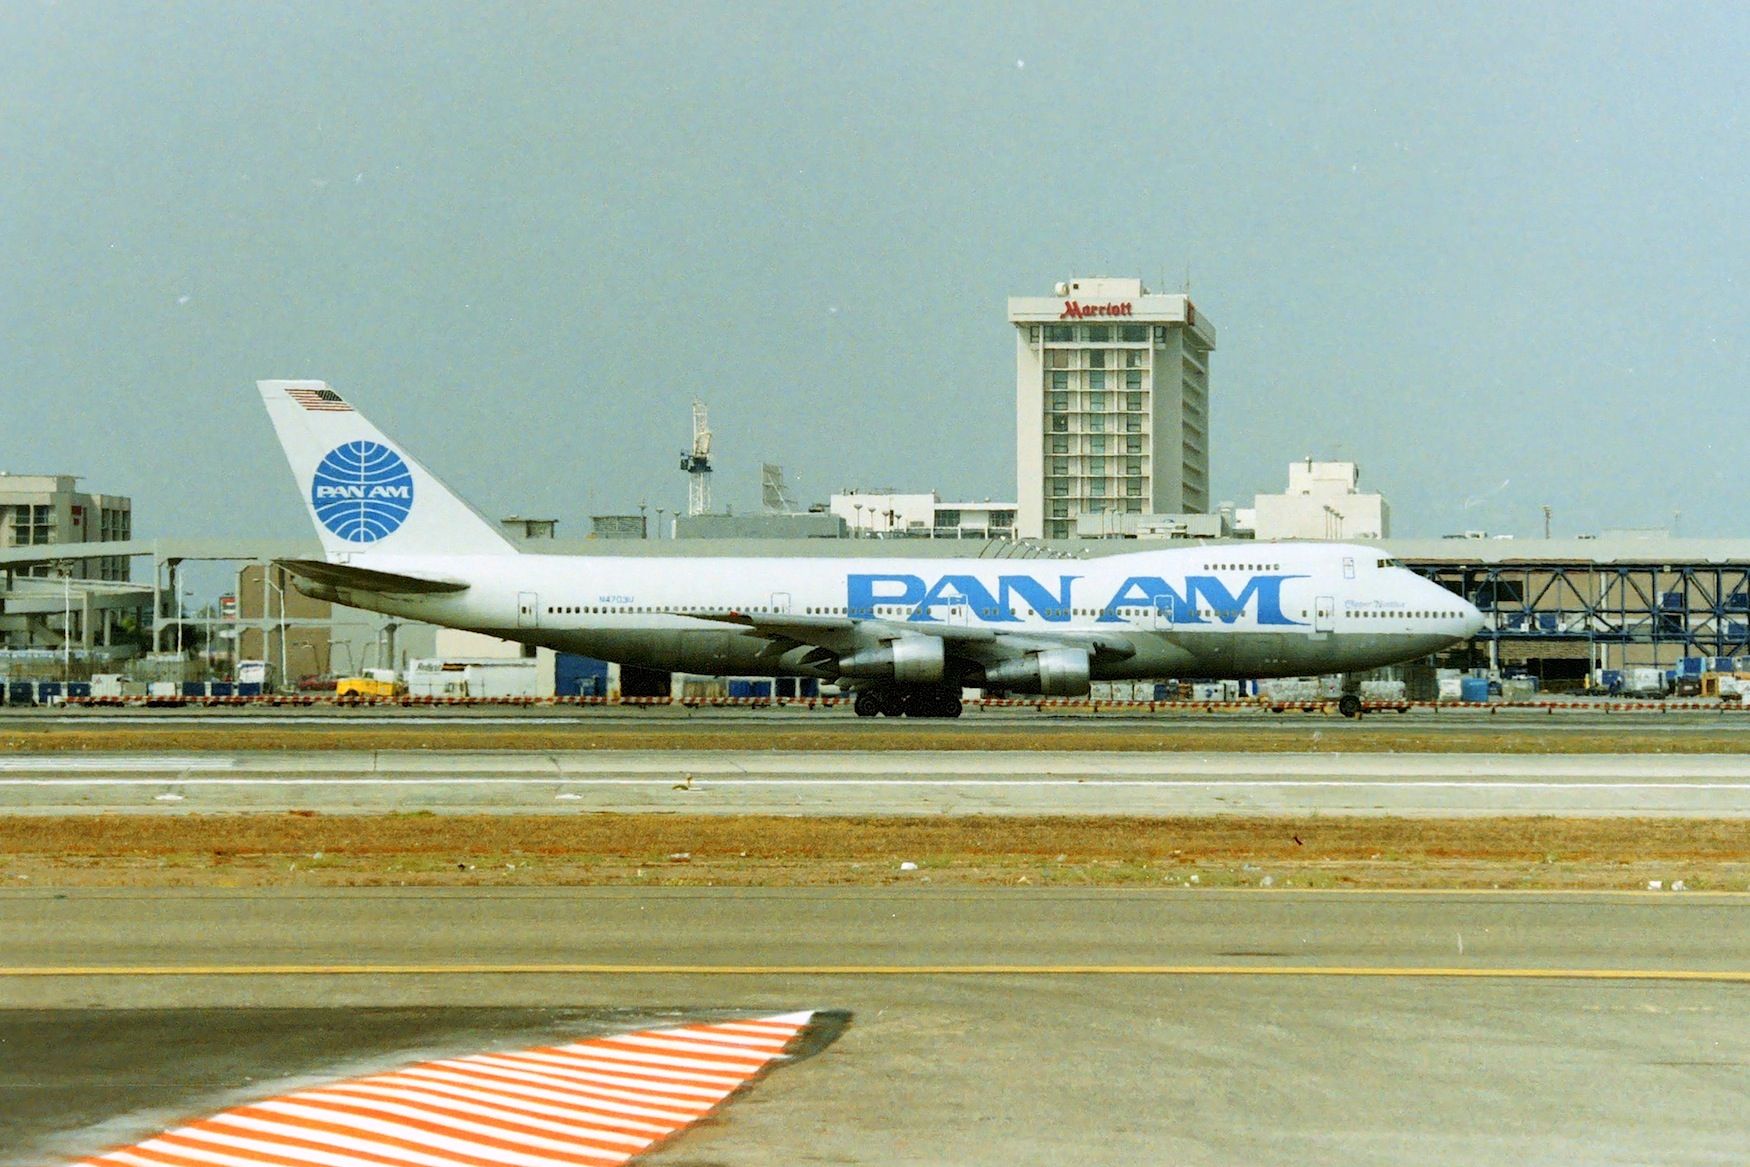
474	679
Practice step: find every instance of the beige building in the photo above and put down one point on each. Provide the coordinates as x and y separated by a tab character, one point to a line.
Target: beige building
41	509
299	630
1111	404
1324	500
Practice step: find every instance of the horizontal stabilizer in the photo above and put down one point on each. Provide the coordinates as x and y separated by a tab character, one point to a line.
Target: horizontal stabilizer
365	579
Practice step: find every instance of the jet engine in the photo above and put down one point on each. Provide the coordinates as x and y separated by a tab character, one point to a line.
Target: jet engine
1053	672
911	659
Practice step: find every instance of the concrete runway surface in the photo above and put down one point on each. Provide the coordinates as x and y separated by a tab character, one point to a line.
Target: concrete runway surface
1257	1027
877	783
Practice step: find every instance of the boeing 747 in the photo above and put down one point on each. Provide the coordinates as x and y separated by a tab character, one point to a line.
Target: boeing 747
905	634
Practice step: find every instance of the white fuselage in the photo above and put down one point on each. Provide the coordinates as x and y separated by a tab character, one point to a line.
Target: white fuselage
1237	610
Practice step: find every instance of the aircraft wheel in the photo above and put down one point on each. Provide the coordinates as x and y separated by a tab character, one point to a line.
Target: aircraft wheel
866	703
893	703
951	706
1349	705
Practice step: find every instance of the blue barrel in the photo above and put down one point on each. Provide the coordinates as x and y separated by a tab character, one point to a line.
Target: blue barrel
1474	689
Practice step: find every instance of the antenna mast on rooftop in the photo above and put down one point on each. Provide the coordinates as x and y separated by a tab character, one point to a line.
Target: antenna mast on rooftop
697	463
776	497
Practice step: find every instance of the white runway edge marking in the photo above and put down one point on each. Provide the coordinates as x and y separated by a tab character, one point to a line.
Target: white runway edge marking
592	1103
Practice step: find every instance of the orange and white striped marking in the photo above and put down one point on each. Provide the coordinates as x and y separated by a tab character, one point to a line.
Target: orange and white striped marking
590	1103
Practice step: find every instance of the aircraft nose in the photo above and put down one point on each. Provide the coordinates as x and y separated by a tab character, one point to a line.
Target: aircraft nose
1473	619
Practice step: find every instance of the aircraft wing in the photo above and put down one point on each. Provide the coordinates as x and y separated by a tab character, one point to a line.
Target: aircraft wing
345	575
845	633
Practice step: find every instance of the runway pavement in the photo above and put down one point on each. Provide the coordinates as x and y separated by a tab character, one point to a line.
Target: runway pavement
877	783
1228	1027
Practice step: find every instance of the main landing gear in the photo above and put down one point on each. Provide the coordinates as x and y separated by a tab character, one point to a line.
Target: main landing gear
1349	705
907	702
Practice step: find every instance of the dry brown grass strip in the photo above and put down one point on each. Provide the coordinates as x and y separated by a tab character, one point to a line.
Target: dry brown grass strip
782	836
759	850
1291	734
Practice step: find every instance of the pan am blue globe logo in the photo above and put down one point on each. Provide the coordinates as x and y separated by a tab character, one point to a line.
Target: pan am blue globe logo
362	491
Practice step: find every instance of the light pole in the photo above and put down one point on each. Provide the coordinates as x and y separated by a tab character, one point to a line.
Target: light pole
660	529
857	531
66	625
266	642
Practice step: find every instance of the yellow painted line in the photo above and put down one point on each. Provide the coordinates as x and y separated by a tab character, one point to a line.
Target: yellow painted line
1540	892
1728	976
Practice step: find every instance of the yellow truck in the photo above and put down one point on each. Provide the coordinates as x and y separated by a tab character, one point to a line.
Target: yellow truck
372	683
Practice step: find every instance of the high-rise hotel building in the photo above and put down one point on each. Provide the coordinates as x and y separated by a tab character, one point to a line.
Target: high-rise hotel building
1111	404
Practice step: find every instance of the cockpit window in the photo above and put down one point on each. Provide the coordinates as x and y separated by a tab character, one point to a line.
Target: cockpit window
1390	562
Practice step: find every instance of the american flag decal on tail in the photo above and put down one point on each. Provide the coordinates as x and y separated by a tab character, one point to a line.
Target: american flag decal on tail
319	400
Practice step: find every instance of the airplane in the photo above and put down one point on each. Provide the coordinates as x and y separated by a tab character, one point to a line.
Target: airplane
905	635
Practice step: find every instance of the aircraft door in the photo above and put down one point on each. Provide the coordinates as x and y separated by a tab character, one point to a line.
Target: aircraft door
781	602
1324	614
1162	618
528	610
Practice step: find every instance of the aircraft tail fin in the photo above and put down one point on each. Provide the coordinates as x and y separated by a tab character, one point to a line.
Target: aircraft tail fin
363	491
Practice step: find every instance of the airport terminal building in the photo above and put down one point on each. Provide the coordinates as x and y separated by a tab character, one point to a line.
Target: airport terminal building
1111	404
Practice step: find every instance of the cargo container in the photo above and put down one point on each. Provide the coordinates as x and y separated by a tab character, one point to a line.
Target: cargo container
1382	690
254	672
20	693
1519	688
746	689
1474	690
1643	682
579	676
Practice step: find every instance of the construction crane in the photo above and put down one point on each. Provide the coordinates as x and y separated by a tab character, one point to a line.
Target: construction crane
697	463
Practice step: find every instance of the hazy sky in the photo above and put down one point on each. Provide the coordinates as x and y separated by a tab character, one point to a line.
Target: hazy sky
1495	253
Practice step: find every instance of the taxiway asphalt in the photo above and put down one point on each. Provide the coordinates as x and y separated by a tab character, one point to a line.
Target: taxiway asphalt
803	782
989	1027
